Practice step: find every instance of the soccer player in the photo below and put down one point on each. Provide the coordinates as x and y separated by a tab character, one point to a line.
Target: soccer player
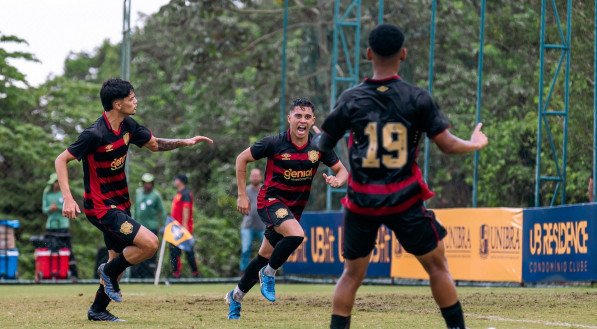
103	148
291	164
386	118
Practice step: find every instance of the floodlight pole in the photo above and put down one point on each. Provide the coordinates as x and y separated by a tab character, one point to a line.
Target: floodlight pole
479	98
125	49
283	87
430	72
594	174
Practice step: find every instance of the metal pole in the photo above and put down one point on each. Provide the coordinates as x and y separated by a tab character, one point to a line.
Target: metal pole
125	49
380	10
595	104
479	98
566	97
540	117
283	91
430	72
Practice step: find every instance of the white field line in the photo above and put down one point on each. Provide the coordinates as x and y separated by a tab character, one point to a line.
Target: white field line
545	323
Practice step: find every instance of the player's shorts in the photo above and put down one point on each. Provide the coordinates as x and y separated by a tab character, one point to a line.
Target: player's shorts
273	216
119	229
417	229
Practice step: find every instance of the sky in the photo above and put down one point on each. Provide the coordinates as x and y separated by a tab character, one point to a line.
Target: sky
54	28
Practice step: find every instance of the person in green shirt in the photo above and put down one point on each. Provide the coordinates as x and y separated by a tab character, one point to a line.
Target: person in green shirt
57	226
149	211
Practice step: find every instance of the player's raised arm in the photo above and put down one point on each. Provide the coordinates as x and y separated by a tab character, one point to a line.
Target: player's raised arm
340	177
70	209
165	144
242	202
451	144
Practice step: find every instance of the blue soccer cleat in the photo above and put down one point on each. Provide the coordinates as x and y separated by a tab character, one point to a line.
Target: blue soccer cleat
103	316
233	306
268	285
109	286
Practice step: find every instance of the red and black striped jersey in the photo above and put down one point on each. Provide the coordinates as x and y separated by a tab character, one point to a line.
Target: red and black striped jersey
103	151
386	119
289	171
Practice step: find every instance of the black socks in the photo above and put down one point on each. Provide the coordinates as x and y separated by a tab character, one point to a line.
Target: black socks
340	322
284	249
251	276
101	300
453	316
116	266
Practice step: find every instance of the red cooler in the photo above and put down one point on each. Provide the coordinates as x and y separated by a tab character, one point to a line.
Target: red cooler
51	265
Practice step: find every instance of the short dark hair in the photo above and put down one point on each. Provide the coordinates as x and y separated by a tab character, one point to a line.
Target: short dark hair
386	40
114	89
183	178
301	102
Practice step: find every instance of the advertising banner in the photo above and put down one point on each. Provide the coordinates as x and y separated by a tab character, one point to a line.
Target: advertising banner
483	244
560	243
321	251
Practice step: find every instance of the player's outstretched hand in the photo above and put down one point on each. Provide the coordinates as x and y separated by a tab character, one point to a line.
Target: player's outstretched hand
478	138
197	140
332	180
70	209
316	129
242	205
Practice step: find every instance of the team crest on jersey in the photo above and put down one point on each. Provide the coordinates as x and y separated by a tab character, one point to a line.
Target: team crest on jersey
109	147
285	156
281	213
126	228
126	138
118	163
313	156
382	89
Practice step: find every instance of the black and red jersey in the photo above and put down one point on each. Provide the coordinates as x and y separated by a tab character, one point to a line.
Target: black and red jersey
386	119
103	151
289	171
183	199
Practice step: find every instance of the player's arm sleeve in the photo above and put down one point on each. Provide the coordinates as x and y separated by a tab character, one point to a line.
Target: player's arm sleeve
187	200
329	158
433	121
263	148
84	145
141	135
334	127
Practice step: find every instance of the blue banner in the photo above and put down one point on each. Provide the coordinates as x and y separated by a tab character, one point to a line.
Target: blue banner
321	251
560	243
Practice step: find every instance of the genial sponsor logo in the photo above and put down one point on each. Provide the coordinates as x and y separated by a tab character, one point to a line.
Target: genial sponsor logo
298	174
118	163
498	239
560	238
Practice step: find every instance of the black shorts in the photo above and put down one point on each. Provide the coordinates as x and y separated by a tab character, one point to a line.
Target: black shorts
417	229
273	216
119	229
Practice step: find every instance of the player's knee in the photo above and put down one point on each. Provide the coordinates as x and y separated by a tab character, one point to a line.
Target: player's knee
295	240
355	273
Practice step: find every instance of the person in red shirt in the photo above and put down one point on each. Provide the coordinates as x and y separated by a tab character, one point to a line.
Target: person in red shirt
182	211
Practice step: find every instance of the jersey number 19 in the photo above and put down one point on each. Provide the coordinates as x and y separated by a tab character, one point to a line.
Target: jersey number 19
394	139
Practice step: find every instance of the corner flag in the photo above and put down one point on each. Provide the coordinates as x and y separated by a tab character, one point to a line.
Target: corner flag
177	235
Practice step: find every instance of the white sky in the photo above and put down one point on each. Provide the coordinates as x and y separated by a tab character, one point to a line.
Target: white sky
54	28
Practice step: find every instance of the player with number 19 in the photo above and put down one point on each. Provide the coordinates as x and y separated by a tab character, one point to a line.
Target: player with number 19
387	117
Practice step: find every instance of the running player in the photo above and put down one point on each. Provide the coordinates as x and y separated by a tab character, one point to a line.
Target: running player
291	164
103	148
386	118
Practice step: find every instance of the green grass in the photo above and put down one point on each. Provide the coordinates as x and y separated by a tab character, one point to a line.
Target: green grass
299	306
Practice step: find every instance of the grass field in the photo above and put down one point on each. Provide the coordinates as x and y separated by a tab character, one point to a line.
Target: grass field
299	306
